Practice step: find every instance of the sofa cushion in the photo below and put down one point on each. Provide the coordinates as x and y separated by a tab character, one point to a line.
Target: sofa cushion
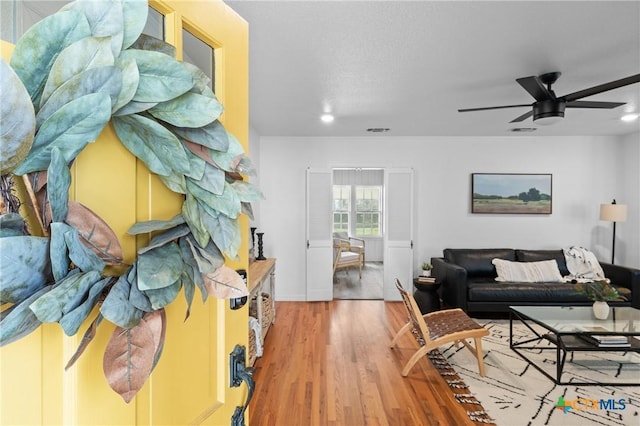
538	255
527	272
515	293
477	262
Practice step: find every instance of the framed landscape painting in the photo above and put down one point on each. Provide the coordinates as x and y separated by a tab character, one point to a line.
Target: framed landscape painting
505	193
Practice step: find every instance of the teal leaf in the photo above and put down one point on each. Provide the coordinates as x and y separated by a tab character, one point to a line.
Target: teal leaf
59	253
24	267
135	14
70	128
105	20
245	166
191	266
227	203
166	237
134	107
130	78
155	225
188	110
72	320
189	289
175	182
201	81
38	48
17	120
196	166
161	78
208	259
65	296
229	159
213	179
246	191
160	267
19	320
157	147
136	297
103	79
90	52
224	231
80	255
58	183
117	308
147	42
213	136
161	297
11	225
191	213
247	210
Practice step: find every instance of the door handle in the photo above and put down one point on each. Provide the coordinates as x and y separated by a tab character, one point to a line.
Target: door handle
238	373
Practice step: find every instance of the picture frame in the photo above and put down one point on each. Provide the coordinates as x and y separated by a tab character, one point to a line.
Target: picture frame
511	193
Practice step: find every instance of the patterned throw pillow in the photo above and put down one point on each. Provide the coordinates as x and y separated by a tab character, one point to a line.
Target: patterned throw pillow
527	272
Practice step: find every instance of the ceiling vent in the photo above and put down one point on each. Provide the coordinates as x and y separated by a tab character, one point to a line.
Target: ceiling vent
378	129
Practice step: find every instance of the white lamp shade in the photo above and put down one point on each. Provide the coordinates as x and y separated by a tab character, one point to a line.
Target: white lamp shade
613	212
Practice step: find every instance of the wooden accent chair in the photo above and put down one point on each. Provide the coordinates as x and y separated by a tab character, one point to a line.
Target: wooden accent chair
438	328
356	245
344	257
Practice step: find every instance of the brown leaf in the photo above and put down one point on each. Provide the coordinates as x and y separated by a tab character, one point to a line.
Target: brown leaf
128	359
95	233
157	323
86	339
225	283
199	150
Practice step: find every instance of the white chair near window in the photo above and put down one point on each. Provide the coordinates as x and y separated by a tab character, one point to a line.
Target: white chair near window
356	245
344	257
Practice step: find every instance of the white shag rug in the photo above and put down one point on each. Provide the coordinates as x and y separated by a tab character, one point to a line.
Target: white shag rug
515	393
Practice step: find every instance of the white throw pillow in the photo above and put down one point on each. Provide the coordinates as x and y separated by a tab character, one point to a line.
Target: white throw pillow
527	272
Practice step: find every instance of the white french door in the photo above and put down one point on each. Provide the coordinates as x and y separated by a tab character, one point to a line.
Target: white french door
319	253
398	231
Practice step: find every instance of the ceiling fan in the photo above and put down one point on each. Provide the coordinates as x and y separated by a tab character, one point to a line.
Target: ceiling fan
549	108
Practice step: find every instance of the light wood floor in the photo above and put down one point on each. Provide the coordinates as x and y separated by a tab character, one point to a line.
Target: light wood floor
329	363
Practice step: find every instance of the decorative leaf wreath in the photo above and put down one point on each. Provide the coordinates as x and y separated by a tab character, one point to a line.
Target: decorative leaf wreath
69	75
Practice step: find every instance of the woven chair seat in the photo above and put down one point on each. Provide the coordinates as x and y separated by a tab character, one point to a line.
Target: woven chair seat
438	328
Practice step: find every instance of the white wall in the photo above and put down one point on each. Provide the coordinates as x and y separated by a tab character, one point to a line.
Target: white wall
586	171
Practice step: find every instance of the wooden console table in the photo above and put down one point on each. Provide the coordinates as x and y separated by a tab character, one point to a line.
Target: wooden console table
261	286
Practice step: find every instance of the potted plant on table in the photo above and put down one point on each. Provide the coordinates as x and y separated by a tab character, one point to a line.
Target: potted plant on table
600	292
426	269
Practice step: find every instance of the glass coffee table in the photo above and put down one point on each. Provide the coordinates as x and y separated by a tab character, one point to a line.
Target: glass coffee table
570	330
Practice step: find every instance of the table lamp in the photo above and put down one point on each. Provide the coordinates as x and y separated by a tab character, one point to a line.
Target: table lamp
613	213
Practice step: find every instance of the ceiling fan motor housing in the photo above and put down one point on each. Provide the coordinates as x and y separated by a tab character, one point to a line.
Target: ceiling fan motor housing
548	108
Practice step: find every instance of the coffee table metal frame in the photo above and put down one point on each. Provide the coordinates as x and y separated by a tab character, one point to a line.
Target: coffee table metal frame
564	341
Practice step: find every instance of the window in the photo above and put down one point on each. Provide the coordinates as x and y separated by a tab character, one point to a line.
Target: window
367	210
341	207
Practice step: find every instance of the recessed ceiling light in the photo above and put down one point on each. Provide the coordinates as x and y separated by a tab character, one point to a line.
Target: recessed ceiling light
327	118
378	129
629	117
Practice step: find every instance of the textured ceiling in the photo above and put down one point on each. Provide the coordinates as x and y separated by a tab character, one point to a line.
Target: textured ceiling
409	65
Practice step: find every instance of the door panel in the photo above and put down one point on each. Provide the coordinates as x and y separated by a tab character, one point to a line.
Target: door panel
319	242
398	233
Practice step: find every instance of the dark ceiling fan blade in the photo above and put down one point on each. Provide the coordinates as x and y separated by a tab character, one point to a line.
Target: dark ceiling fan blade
594	104
536	88
495	107
602	88
522	117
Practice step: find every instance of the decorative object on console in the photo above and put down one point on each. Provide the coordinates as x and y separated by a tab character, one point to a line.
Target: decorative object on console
506	193
426	269
252	248
613	212
260	254
600	292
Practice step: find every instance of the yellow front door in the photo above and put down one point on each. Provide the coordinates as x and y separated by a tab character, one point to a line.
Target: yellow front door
190	384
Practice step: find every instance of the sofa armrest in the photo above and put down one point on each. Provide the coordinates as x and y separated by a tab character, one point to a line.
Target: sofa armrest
453	279
624	276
